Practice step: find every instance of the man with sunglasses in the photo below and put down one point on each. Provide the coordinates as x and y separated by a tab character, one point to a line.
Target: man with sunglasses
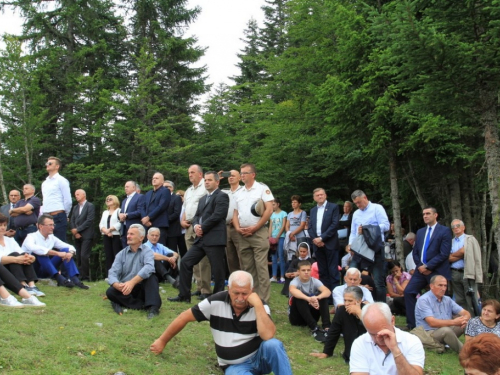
56	197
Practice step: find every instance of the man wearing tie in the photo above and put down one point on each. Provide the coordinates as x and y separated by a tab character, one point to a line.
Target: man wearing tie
209	224
155	208
130	212
82	228
323	227
14	197
430	253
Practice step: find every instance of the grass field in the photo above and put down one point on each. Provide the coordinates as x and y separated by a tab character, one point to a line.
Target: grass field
78	333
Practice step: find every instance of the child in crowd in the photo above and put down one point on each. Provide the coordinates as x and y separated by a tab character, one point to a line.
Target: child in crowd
308	301
277	231
303	253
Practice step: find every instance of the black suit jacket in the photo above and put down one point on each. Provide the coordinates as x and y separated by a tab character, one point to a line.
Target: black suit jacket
174	212
156	205
329	225
213	218
438	251
84	222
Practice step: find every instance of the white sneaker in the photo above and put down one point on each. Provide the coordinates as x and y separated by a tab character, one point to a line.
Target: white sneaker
273	280
32	302
11	301
34	291
282	280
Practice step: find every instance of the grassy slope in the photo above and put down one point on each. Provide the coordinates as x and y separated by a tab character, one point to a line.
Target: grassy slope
64	338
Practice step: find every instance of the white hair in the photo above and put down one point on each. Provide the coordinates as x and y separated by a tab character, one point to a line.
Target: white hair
353	270
381	307
240	278
140	228
153	229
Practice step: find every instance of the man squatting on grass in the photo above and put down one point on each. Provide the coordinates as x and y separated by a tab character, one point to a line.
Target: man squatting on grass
256	351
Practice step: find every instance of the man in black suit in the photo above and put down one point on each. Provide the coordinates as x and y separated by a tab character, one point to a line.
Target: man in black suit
209	224
175	238
130	212
82	227
323	225
14	197
154	210
431	256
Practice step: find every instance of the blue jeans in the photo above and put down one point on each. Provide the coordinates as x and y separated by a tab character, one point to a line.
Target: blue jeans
21	234
271	357
61	226
279	254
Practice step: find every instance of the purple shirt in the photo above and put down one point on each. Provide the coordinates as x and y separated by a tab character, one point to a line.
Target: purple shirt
390	280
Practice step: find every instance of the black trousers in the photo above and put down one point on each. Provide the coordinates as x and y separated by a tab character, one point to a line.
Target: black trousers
178	244
163	269
194	255
112	246
144	295
398	306
303	314
8	280
22	272
346	324
83	248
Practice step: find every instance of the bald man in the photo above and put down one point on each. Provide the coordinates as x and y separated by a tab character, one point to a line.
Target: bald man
25	214
155	207
82	228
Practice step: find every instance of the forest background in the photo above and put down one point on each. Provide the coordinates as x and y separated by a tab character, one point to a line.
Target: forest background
397	98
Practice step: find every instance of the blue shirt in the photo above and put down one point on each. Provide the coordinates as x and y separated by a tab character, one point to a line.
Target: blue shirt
429	305
128	264
373	214
160	249
456	244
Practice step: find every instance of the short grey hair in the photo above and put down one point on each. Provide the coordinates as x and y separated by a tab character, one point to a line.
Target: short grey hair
381	307
240	278
353	270
357	193
31	186
140	228
171	183
153	229
460	221
356	292
216	175
410	236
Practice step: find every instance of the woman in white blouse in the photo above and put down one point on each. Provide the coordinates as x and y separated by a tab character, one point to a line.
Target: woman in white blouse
16	272
110	228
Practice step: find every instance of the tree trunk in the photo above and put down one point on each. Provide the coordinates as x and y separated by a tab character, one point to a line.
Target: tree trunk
415	187
2	184
396	209
455	199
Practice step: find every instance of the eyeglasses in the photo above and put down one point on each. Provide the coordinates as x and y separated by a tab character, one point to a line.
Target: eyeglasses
49	163
48	225
456	226
14	195
246	172
109	199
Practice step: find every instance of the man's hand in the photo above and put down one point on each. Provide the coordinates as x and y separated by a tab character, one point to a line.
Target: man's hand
314	302
360	229
74	231
460	321
423	270
248	231
185	224
198	230
118	286
172	261
354	310
389	338
65	256
78	236
122	217
157	347
145	220
127	288
254	300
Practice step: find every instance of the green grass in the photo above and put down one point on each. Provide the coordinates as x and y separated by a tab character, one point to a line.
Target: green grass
78	333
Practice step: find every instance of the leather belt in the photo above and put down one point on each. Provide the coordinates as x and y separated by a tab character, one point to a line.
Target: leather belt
56	212
458	269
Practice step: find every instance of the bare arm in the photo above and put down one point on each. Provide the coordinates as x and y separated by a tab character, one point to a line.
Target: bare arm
173	329
402	365
265	326
460	321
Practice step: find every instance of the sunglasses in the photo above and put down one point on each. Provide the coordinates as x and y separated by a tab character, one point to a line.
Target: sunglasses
49	163
109	199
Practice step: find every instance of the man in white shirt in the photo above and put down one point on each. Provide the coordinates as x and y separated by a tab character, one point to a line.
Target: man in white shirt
202	271
351	278
385	349
253	243
56	197
42	244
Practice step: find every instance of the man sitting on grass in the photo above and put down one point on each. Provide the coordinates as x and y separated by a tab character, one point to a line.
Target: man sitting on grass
132	279
352	278
241	327
309	301
165	259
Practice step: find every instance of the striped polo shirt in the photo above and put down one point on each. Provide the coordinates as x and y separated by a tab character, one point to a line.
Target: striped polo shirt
236	337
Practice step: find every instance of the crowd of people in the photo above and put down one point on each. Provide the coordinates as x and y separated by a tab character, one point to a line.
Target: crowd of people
329	262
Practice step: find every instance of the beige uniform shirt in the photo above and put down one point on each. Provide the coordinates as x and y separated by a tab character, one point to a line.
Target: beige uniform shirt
246	198
192	197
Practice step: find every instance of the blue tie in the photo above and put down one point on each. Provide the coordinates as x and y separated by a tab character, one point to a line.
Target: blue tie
426	245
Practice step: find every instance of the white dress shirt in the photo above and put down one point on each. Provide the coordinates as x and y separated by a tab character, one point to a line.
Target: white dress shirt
56	194
37	244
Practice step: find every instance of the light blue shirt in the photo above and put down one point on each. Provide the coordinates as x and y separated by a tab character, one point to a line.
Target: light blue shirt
428	305
456	244
128	264
160	249
373	214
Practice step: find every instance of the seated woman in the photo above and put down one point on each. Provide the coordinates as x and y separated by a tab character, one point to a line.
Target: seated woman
346	322
488	322
303	253
396	284
16	261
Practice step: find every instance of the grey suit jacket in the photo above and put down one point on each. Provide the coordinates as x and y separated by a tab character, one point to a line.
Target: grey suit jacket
213	218
5	210
84	222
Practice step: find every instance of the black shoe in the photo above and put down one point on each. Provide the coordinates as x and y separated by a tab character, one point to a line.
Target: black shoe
153	311
197	293
180	299
66	283
318	334
117	308
202	296
82	285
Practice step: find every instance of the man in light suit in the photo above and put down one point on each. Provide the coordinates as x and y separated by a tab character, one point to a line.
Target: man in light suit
130	212
82	227
209	224
14	197
323	225
431	255
155	208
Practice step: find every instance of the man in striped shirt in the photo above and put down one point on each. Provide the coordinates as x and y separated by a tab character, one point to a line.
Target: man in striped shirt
241	327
